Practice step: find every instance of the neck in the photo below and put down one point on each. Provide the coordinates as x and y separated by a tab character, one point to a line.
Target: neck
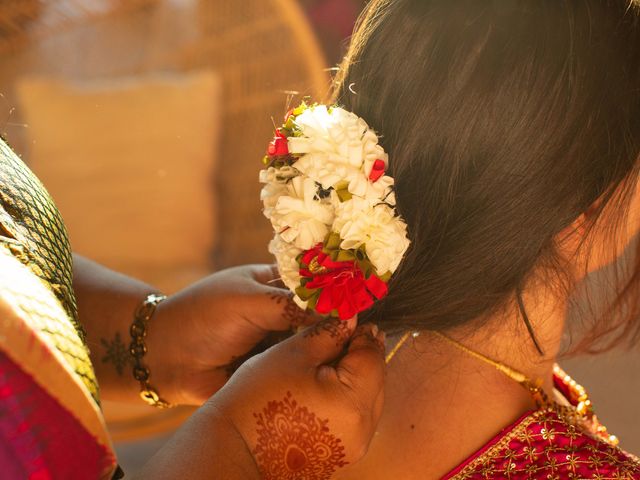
469	399
503	338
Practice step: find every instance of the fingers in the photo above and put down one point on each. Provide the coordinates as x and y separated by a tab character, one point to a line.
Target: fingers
267	275
275	309
272	307
362	368
326	340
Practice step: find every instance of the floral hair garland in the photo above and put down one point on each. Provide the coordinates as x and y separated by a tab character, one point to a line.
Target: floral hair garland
338	236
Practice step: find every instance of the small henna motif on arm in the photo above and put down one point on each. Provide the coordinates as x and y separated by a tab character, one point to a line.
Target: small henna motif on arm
294	444
116	353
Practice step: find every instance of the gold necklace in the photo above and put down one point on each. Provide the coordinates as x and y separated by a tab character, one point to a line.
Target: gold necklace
534	388
399	345
576	393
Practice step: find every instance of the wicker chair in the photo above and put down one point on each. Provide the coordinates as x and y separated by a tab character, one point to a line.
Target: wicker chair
262	49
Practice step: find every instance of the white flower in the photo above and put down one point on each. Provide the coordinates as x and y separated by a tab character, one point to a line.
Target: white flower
278	175
335	147
377	192
276	180
270	194
288	267
377	228
332	150
299	216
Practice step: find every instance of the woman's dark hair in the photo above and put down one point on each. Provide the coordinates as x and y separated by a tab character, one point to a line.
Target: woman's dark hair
505	120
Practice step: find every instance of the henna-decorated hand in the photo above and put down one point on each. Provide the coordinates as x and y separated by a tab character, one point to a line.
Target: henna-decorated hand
309	405
198	336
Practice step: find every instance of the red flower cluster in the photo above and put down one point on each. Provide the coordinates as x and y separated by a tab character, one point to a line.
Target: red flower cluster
341	286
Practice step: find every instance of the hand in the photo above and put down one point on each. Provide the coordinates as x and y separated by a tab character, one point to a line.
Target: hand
303	409
303	406
199	336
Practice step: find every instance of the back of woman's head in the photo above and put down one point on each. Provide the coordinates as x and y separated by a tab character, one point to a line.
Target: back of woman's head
505	120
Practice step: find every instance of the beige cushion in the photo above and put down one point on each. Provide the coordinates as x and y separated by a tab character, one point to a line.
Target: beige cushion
130	164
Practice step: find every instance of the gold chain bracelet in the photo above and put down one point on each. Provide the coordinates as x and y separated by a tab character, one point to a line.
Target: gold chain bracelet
138	349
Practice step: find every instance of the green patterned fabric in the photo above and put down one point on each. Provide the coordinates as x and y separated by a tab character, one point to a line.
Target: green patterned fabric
32	228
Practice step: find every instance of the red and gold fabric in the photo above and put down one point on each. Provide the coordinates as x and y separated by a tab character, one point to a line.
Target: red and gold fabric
555	442
51	425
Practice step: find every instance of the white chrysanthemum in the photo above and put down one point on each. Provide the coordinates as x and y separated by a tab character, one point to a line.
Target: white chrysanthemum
278	175
286	258
270	194
335	147
288	267
377	228
275	180
377	192
299	216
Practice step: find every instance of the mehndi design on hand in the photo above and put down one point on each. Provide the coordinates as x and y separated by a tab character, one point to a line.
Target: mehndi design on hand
294	444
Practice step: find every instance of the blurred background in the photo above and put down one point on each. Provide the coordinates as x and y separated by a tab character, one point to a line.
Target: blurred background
147	121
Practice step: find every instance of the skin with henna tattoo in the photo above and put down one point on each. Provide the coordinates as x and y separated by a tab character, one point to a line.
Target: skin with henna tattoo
336	329
292	313
304	447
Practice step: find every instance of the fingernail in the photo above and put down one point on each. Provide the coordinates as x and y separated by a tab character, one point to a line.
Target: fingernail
351	323
374	330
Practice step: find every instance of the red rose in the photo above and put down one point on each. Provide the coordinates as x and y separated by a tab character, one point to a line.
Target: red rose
342	286
278	146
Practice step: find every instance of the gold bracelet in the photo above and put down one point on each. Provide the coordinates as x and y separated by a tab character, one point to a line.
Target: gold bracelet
138	349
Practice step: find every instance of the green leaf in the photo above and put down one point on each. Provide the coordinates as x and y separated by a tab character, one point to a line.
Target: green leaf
345	256
313	301
305	293
289	126
386	277
300	109
332	242
361	253
344	195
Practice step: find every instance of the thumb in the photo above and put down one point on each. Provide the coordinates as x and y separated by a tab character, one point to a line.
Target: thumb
325	341
362	368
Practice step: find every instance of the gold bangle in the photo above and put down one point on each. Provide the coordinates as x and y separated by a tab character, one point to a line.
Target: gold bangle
138	349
